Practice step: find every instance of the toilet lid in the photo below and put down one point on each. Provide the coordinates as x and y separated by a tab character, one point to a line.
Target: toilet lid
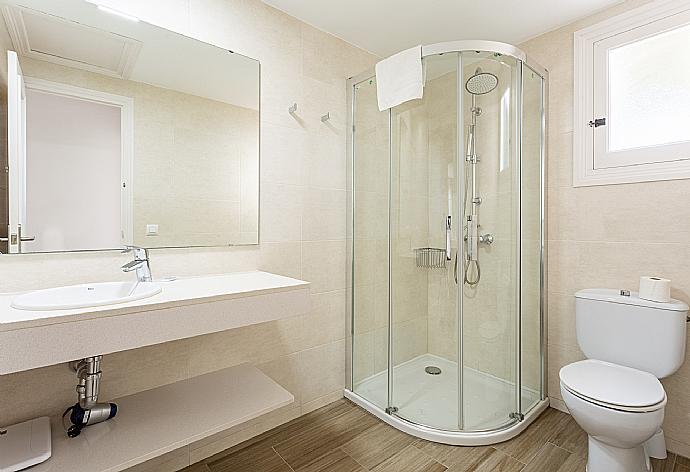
612	384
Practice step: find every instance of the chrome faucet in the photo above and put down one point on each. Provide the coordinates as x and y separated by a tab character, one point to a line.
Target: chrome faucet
140	263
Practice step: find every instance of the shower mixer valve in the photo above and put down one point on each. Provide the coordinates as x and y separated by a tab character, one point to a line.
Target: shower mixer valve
486	239
87	410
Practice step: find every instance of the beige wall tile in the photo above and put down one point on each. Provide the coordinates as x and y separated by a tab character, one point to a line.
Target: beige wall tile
323	264
322	370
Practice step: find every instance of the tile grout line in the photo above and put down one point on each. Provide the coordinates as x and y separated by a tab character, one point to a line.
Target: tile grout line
524	464
414	445
559	447
547	443
355	460
282	458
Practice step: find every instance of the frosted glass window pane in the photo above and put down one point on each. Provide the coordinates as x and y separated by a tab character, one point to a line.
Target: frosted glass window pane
649	90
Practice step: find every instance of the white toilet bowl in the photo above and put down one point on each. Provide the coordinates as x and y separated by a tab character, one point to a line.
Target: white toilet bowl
619	408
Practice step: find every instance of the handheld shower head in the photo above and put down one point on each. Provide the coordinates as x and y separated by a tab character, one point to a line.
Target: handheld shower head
481	83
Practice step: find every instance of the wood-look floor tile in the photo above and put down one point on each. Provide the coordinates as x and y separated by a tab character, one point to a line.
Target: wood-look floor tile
664	465
526	445
572	438
575	463
342	437
410	459
495	461
276	435
308	445
252	459
315	419
334	461
199	467
459	457
377	444
550	458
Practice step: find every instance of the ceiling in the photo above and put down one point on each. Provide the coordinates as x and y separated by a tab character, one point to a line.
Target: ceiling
387	26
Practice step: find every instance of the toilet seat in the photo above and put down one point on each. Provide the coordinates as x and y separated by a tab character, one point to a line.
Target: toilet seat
613	386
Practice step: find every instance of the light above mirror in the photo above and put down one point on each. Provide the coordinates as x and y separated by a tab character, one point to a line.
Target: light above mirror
123	133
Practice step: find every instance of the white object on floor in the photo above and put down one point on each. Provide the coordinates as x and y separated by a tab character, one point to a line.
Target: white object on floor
400	78
433	399
615	395
151	423
655	289
25	444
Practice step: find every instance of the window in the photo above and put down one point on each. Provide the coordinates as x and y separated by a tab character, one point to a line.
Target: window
632	97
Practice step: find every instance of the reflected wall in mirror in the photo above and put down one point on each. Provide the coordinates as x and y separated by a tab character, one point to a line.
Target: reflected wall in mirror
120	132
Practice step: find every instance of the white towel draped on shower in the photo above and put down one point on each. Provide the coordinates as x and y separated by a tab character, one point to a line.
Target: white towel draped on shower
400	78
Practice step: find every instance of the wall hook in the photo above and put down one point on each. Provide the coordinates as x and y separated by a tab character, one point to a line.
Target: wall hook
292	109
326	117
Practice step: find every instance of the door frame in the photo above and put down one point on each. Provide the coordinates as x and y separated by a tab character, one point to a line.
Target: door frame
16	152
126	105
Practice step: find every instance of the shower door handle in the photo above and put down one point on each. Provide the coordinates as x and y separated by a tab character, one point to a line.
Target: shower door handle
449	250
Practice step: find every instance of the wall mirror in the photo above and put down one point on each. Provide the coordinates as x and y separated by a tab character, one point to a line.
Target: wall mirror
120	132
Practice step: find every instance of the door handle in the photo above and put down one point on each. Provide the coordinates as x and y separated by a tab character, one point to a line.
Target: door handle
14	238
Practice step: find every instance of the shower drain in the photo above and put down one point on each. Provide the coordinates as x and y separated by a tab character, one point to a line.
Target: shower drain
432	370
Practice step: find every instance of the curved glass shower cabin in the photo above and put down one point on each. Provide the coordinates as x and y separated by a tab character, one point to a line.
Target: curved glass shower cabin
447	256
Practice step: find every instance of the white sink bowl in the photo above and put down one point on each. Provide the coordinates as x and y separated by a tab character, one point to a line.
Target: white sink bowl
86	295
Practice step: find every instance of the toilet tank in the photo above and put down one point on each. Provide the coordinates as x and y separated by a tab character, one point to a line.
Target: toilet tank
630	331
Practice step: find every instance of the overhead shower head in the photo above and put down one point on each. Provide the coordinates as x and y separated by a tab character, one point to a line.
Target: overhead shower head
481	83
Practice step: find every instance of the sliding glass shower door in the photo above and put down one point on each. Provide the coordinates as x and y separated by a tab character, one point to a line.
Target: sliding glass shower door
424	241
490	279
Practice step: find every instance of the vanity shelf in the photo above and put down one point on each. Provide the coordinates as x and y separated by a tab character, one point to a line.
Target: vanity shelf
185	308
157	421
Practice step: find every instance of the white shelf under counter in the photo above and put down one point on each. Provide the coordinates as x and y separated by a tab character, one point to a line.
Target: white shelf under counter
154	422
185	308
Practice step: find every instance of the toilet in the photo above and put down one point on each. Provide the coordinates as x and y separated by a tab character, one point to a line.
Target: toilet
615	394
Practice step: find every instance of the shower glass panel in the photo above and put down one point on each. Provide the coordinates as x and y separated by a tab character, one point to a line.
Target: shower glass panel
490	270
531	237
447	247
370	239
424	218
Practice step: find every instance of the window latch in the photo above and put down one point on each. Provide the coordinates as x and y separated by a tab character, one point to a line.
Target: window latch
597	122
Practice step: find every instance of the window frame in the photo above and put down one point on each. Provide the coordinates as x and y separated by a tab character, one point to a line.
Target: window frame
590	43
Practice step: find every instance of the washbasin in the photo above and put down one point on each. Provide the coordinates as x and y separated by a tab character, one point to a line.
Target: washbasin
85	295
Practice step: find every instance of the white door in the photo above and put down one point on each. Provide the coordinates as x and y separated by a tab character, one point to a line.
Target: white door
16	144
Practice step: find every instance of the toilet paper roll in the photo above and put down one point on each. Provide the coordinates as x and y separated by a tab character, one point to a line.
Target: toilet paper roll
655	289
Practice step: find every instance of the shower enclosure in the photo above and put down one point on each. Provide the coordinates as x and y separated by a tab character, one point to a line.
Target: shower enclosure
446	325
